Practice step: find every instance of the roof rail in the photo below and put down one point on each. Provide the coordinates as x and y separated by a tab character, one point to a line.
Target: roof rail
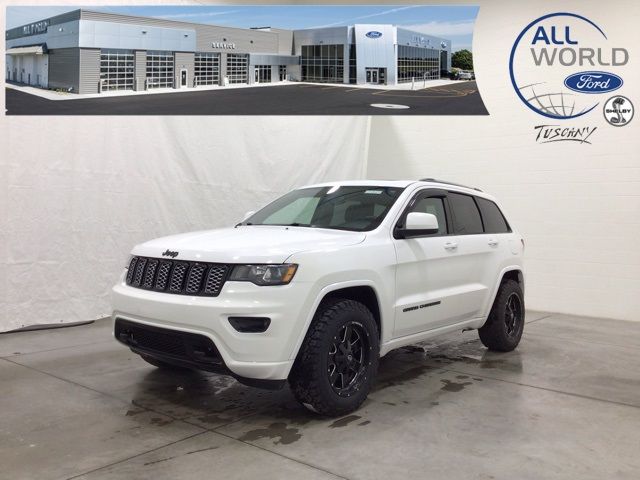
448	183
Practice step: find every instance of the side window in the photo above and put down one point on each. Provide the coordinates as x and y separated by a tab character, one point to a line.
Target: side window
494	221
434	206
466	216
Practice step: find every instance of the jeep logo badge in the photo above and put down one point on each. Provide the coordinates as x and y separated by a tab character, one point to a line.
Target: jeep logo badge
169	253
373	34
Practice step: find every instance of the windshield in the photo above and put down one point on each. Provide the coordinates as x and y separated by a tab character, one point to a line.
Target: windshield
357	208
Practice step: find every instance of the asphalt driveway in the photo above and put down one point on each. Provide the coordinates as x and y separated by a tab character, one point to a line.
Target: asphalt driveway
298	99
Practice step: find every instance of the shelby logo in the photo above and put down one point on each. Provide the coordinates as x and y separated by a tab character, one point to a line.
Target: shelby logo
373	34
544	60
556	133
169	253
618	111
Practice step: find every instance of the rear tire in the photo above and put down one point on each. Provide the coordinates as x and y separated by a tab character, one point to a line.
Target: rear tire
163	365
338	361
503	329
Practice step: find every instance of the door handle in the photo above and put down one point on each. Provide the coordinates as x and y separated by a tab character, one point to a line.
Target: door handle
450	246
493	242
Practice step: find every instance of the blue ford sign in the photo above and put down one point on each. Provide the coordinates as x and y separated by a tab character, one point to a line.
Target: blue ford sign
373	34
593	82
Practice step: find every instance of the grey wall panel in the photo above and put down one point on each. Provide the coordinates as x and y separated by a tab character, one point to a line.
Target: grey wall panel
376	51
285	41
184	60
223	68
64	68
63	35
21	31
140	66
244	40
89	70
261	59
95	34
326	36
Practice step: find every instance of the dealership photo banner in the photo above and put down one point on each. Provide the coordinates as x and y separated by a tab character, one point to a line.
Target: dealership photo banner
125	121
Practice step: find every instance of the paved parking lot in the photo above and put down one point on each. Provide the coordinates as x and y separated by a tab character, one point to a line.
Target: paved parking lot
299	99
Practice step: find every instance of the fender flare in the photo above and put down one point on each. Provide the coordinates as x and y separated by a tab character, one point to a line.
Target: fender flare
494	292
318	299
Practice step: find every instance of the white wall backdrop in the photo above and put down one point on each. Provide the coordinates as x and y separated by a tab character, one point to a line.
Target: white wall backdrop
77	193
578	206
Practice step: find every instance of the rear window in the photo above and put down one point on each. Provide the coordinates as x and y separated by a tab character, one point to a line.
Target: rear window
494	221
466	216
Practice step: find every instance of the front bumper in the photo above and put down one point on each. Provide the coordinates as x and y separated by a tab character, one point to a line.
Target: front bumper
264	356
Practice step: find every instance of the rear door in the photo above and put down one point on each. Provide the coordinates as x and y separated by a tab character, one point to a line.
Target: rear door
476	255
500	239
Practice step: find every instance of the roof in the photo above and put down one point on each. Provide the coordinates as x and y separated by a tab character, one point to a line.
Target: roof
404	184
365	183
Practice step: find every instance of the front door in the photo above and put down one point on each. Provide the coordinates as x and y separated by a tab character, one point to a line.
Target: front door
183	77
372	76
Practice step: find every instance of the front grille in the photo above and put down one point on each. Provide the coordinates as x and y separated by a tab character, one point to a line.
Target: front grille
177	276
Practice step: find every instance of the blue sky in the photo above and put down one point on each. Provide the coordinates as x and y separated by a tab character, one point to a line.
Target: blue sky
452	22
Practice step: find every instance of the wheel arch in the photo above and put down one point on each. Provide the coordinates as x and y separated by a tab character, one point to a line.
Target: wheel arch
513	272
364	291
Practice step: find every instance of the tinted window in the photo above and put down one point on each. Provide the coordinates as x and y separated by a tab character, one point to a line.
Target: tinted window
434	206
466	217
494	221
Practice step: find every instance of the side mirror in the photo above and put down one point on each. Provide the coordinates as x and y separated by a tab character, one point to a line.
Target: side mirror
418	224
248	214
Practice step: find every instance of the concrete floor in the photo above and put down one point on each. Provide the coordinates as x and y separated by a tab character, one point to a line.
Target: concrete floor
565	404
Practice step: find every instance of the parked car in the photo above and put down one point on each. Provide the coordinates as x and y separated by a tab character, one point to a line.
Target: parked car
465	75
318	285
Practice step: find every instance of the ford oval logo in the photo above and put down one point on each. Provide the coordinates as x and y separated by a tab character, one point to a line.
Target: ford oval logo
374	34
593	82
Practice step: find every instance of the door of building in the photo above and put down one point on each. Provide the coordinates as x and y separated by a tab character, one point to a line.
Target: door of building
373	76
183	77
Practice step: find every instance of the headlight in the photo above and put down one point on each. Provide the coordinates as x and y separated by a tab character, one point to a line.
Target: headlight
264	274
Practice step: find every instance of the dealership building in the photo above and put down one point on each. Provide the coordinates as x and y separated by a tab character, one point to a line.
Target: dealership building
85	51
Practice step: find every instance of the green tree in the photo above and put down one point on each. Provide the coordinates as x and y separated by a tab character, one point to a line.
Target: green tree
462	59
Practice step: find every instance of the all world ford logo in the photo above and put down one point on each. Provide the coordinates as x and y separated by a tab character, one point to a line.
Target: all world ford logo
373	34
593	82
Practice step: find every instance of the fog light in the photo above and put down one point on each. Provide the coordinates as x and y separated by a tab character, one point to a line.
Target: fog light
250	324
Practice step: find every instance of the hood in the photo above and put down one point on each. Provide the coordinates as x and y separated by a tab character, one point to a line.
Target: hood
247	243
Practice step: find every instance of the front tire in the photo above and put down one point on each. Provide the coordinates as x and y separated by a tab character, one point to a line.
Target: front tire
338	360
503	329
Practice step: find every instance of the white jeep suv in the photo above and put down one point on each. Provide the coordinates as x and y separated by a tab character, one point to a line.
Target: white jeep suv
318	285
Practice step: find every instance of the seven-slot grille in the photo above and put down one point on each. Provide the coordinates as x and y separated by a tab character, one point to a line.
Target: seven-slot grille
177	276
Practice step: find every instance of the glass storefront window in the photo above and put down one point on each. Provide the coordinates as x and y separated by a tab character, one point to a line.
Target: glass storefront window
322	63
417	63
262	73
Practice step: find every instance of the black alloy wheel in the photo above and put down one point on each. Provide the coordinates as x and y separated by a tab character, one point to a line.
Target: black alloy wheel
348	359
513	314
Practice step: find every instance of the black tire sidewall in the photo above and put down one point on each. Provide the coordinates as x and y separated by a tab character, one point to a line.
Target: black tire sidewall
344	317
494	333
